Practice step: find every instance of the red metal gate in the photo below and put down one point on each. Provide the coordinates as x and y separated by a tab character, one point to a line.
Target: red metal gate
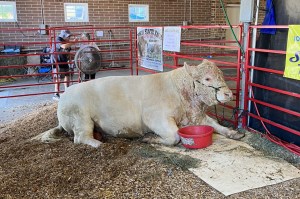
17	70
252	102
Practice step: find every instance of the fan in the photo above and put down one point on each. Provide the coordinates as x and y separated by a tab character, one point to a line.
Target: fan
88	59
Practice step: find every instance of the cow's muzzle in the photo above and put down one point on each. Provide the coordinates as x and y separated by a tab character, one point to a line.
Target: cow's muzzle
217	89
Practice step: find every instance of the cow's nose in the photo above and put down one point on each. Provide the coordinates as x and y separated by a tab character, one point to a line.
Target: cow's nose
228	94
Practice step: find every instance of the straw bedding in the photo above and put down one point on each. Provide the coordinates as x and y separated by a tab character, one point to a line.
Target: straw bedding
120	168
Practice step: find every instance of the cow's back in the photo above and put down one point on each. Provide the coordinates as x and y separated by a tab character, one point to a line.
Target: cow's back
118	105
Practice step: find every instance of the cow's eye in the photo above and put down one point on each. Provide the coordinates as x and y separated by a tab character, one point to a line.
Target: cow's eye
207	79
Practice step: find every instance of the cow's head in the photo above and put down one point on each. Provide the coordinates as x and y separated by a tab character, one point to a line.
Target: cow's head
208	83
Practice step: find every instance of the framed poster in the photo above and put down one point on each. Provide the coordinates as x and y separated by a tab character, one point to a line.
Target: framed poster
138	13
150	52
76	12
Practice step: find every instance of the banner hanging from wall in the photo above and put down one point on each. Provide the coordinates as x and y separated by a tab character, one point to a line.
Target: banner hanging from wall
292	60
172	38
150	53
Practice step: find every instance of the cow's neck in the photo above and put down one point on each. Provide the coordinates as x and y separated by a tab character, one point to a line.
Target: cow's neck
190	103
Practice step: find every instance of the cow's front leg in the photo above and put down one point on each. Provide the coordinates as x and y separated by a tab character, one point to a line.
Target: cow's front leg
229	133
84	130
166	132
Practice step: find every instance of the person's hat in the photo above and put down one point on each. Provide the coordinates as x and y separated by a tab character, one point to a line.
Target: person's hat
65	33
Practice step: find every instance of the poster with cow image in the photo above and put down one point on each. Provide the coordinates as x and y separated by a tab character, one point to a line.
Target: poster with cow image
149	41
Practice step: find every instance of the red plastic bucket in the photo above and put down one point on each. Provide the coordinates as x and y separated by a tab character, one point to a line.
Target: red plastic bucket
196	137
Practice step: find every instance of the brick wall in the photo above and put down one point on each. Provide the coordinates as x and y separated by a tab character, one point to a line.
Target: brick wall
217	15
115	13
102	13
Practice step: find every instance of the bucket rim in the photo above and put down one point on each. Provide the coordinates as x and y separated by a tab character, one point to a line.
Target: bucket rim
210	131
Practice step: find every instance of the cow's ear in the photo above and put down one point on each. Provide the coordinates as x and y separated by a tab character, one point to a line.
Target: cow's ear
188	68
205	61
191	70
185	65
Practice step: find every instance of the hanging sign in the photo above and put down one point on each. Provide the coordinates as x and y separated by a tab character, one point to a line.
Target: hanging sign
149	41
292	60
172	37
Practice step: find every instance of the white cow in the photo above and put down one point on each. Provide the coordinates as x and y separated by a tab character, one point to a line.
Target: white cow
132	106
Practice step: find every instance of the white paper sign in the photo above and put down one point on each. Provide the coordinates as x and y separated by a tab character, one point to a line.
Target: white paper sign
99	33
172	38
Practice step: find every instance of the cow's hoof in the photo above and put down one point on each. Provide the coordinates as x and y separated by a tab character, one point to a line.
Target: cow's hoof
148	139
235	135
151	139
93	142
158	140
89	141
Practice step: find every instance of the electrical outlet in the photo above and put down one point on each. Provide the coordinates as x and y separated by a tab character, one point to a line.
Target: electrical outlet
43	29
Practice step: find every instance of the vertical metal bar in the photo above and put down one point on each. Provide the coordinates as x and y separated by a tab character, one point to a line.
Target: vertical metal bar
50	46
175	59
254	34
131	49
246	87
245	43
136	53
93	33
238	76
56	62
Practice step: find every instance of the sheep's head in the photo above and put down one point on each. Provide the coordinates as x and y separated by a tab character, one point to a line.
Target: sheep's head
209	85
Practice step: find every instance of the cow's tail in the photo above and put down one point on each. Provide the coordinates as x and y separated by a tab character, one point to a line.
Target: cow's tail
52	135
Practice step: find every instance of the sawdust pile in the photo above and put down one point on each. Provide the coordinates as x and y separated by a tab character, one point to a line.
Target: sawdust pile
120	168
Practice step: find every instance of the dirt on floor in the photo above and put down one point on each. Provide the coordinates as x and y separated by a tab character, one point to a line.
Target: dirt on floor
120	168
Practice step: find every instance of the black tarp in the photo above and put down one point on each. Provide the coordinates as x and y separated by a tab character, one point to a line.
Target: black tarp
286	12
